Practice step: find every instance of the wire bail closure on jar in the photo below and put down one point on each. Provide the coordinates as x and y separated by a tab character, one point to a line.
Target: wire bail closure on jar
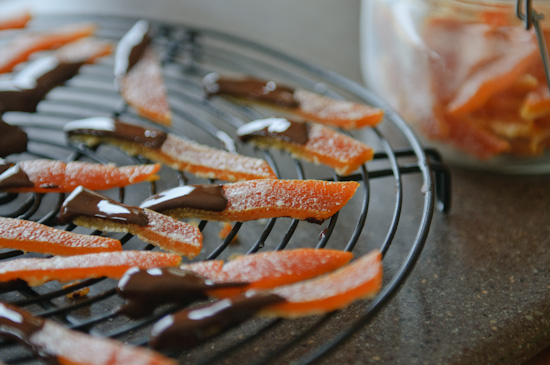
526	13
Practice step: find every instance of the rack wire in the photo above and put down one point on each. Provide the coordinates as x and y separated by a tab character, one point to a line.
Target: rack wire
401	171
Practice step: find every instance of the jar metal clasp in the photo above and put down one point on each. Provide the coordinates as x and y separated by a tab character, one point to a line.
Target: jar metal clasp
530	17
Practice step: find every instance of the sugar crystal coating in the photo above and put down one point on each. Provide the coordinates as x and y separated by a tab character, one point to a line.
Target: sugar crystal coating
337	113
209	162
35	237
360	279
109	264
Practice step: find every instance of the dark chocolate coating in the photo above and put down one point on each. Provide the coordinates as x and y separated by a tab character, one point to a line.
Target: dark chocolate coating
16	284
131	47
113	128
31	85
20	325
17	323
12	139
86	203
279	128
189	327
204	197
144	290
11	176
255	89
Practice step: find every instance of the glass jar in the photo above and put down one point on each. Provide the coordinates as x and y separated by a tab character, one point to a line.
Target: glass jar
466	75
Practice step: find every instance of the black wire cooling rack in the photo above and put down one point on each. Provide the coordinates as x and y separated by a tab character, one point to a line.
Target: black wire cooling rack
391	211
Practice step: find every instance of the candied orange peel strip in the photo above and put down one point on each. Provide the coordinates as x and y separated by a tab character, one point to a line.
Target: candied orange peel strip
161	231
36	271
30	85
209	268
225	230
87	50
209	162
138	74
143	88
171	150
497	17
268	270
312	200
488	81
305	104
476	61
323	145
15	20
65	346
60	177
92	210
360	279
336	113
488	86
35	237
21	47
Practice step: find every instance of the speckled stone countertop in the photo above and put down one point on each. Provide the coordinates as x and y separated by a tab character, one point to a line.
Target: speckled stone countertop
480	292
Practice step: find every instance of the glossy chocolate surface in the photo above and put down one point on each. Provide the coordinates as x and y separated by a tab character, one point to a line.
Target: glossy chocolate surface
279	128
21	325
192	326
144	290
17	323
131	47
113	128
31	85
255	89
204	197
86	203
11	176
12	139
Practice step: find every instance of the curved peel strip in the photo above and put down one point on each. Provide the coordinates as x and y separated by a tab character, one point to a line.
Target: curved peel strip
336	113
500	75
58	344
106	264
162	231
488	86
21	47
143	88
495	61
60	177
312	200
360	279
35	237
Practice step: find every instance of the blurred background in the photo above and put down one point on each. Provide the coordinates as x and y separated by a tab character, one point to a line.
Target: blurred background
324	32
